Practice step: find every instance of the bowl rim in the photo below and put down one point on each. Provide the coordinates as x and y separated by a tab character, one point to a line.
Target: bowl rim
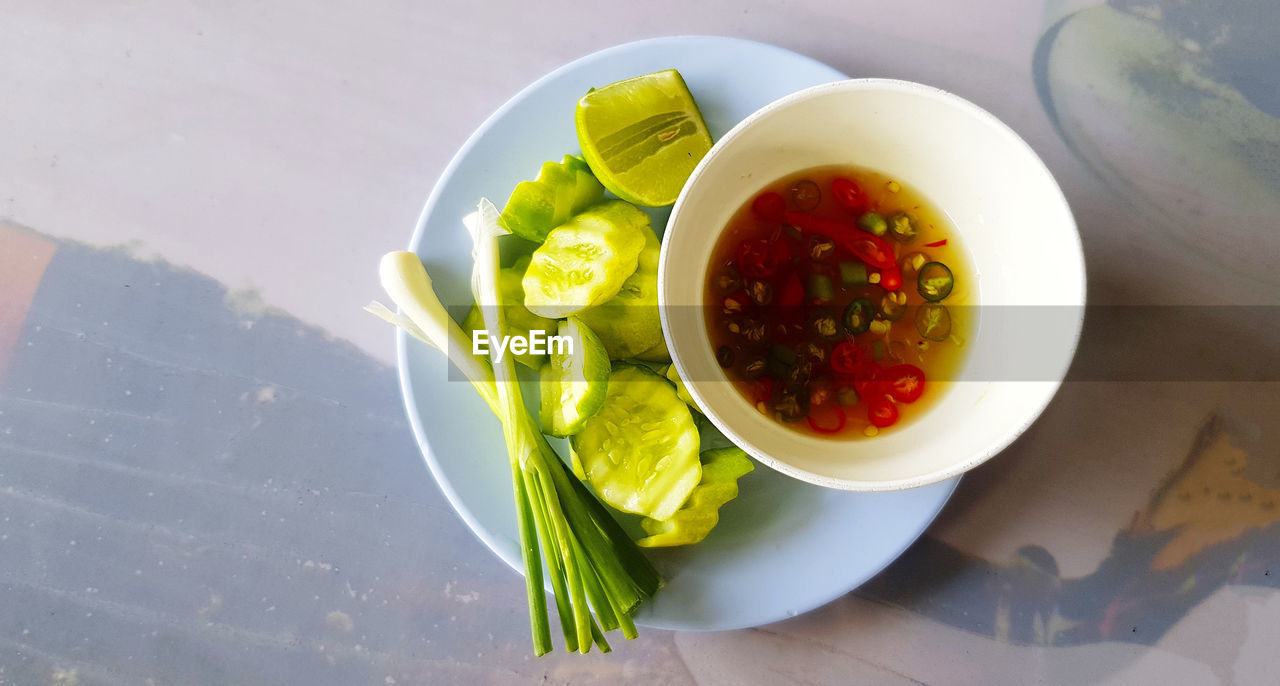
1003	439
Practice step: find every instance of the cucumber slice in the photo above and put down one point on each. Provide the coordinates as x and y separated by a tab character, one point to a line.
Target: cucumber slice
585	261
561	190
574	381
657	353
681	392
628	323
721	469
640	451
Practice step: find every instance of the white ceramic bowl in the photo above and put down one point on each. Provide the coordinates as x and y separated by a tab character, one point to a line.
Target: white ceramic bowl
1012	218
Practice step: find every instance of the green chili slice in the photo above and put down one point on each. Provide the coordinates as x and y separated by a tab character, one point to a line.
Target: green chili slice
853	273
934	282
873	224
933	321
857	317
904	228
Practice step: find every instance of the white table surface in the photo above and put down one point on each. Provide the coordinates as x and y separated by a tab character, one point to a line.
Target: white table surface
208	478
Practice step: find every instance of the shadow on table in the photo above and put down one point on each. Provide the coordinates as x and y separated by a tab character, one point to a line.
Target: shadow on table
197	488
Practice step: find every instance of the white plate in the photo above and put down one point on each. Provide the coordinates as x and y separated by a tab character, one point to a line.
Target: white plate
783	547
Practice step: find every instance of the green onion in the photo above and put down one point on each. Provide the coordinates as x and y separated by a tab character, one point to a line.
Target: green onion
853	273
591	561
819	289
873	223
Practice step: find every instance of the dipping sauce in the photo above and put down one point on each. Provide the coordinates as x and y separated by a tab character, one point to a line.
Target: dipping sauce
838	300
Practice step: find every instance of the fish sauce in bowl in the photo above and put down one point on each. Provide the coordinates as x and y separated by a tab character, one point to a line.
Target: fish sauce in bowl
838	300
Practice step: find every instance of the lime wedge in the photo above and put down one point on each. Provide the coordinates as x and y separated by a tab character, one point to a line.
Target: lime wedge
642	136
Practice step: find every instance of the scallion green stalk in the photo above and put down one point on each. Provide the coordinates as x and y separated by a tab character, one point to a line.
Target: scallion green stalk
589	558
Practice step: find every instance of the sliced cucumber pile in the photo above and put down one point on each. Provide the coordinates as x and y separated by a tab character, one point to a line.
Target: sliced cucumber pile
593	281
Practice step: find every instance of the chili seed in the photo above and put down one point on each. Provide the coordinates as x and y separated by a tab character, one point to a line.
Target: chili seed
799	374
761	292
724	355
790	407
814	352
754	368
910	265
893	306
821	248
825	326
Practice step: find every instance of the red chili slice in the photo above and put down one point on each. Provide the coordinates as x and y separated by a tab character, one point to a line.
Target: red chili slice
872	250
840	418
763	390
780	249
882	412
849	194
867	379
757	259
769	206
891	279
737	302
936	244
846	357
792	291
905	382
